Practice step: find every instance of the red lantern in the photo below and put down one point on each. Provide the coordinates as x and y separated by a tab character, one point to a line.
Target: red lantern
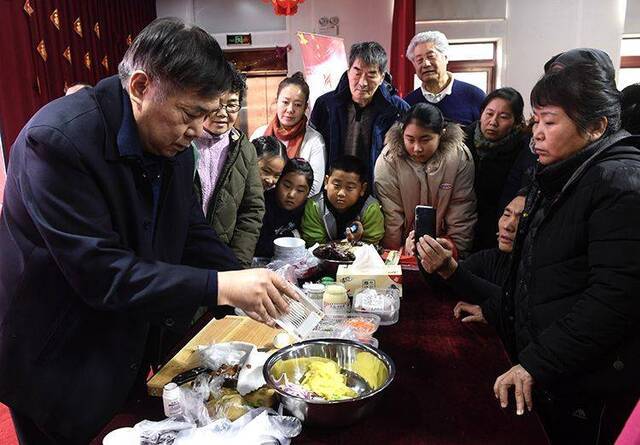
284	7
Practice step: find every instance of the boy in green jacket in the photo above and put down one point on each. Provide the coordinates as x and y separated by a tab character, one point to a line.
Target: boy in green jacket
343	205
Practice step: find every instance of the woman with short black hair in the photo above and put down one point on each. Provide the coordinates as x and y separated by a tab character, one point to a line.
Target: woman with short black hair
571	306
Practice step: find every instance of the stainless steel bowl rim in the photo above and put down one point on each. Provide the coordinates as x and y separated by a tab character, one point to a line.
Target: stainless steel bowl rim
375	351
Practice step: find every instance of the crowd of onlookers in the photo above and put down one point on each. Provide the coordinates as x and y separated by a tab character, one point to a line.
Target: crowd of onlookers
112	194
559	289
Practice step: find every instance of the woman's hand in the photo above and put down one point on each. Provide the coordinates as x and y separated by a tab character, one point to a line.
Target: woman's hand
258	292
436	255
410	244
519	378
474	311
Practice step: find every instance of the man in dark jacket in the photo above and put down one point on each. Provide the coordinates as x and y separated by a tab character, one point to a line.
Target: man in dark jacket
104	242
354	118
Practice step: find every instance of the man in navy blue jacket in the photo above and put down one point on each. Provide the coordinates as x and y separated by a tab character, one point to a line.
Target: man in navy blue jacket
103	241
354	118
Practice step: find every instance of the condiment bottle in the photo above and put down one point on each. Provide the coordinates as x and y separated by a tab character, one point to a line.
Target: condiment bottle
315	292
335	300
172	400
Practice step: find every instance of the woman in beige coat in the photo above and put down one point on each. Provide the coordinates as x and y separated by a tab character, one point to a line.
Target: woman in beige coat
425	162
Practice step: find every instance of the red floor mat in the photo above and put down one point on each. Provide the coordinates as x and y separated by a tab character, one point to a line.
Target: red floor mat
7	434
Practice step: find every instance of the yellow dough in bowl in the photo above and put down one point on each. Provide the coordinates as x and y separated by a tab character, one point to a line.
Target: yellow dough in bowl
325	379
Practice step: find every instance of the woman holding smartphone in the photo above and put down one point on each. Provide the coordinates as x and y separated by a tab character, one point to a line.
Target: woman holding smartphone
425	162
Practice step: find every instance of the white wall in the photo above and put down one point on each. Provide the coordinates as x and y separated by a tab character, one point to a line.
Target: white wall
360	20
534	31
538	30
529	32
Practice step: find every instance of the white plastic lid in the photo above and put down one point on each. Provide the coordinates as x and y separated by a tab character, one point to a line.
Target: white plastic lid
313	287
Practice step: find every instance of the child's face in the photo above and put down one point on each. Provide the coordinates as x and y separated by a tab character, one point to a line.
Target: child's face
292	191
270	169
344	189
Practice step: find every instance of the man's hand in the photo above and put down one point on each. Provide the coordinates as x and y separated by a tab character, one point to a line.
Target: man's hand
436	255
474	311
410	244
522	381
355	236
257	292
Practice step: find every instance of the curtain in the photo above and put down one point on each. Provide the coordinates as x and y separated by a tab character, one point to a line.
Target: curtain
403	30
49	45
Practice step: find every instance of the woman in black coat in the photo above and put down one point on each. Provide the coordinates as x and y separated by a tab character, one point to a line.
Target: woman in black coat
571	304
497	142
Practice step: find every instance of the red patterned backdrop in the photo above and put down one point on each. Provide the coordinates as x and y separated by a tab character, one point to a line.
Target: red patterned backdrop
47	45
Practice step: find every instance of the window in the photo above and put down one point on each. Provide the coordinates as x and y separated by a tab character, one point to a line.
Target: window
474	63
629	62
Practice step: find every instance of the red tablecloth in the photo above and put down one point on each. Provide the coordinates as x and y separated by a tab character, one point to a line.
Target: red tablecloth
442	393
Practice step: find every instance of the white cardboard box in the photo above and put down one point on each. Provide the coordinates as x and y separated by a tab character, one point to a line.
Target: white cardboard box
353	281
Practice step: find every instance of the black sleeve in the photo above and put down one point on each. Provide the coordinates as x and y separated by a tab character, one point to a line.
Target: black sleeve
608	310
477	278
203	248
520	175
76	227
475	288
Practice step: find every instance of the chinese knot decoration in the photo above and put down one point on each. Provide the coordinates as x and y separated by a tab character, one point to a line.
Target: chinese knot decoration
284	7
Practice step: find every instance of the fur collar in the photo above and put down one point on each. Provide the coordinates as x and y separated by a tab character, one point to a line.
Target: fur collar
452	138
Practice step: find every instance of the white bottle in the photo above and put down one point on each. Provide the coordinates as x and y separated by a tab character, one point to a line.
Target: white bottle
172	400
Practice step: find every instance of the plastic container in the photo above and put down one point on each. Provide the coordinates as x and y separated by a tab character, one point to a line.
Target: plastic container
335	300
172	400
383	302
315	292
327	280
352	326
288	248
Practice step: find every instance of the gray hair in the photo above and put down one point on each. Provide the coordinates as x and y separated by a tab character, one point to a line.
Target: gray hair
178	56
438	39
371	53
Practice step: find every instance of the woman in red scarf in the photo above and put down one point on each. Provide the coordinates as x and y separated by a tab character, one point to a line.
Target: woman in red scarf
290	126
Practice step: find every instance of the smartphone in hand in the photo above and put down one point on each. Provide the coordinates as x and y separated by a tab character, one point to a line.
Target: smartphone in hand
425	223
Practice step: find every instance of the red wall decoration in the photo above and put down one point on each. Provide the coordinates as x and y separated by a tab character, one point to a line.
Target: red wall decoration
48	45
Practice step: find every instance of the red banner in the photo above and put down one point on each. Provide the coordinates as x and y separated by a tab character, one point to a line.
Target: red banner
324	59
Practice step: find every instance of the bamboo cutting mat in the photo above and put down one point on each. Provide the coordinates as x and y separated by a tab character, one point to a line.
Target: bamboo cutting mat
230	328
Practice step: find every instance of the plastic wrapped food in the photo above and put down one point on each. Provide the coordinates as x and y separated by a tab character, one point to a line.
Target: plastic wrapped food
383	302
353	326
230	405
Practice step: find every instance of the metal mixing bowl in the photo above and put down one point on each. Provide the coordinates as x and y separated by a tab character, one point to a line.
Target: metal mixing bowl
330	413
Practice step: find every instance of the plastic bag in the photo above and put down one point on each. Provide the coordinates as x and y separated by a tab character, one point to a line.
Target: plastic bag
163	432
299	268
230	405
383	302
229	354
193	404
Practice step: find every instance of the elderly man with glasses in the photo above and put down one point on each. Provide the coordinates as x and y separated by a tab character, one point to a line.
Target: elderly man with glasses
457	100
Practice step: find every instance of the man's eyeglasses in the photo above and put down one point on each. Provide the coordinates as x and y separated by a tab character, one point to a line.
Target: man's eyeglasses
230	108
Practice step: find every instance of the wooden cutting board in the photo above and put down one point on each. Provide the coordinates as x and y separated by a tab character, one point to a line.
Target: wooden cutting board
230	328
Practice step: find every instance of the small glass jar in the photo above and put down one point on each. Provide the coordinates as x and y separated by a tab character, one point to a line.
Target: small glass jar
335	300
